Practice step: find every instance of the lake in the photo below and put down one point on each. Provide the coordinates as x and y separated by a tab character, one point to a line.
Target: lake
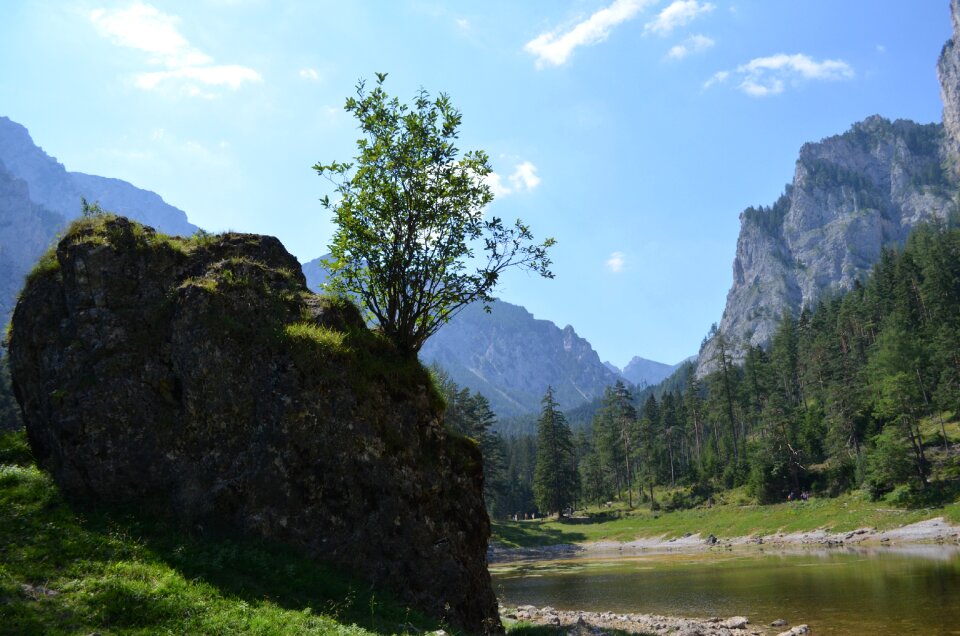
902	590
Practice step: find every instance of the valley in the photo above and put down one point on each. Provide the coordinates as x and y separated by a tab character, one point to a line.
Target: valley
209	432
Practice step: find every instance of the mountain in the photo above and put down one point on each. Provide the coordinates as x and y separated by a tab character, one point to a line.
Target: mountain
642	372
26	229
38	197
511	357
852	195
58	190
948	70
315	273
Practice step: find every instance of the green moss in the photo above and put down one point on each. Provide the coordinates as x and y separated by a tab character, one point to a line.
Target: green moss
65	570
48	265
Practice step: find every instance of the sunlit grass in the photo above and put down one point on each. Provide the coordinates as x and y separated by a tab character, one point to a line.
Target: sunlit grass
840	514
69	570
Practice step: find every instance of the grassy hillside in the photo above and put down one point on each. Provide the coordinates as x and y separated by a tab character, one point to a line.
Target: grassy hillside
65	569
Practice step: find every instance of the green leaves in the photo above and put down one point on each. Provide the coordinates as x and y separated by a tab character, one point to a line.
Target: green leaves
410	218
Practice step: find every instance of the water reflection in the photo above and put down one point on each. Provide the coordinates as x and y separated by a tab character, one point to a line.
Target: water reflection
902	590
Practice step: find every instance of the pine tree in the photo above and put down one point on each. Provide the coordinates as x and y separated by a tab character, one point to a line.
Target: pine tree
556	480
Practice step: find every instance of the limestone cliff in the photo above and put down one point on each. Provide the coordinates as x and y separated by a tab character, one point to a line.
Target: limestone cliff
852	195
948	69
201	376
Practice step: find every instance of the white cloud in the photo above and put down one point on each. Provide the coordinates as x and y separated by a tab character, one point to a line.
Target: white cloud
693	44
678	14
616	262
144	28
771	75
463	24
717	78
553	48
310	74
523	179
497	187
229	75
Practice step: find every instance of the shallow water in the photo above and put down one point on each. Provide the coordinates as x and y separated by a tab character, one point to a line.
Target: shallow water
836	591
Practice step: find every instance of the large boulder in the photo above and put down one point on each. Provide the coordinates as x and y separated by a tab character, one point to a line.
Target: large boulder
201	376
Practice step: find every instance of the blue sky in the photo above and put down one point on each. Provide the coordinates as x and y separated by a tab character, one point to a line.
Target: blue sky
632	131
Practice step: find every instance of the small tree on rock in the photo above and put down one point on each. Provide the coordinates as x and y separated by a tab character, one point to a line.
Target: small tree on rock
410	217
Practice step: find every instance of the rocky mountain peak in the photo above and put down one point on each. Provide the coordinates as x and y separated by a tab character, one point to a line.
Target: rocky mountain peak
852	195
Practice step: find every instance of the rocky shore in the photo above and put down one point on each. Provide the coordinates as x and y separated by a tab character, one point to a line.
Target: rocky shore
935	531
599	623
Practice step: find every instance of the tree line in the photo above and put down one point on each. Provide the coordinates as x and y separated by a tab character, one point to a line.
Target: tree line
857	391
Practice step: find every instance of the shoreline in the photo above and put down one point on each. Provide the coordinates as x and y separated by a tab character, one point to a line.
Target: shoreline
930	531
579	623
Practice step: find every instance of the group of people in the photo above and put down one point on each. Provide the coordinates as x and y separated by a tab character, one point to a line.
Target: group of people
804	495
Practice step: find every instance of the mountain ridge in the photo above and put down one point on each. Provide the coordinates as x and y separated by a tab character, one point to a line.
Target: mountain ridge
39	196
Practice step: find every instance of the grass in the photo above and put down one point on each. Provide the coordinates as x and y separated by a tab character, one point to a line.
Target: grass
316	338
65	569
725	520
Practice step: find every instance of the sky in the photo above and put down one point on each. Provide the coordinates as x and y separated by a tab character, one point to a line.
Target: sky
633	132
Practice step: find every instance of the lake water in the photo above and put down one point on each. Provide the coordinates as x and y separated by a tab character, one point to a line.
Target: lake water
836	591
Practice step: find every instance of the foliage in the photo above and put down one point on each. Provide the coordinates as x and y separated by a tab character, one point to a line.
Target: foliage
410	216
469	414
556	481
88	209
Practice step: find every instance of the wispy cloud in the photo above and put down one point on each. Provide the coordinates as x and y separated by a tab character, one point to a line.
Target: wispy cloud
523	179
554	48
616	262
771	75
186	68
677	14
693	44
